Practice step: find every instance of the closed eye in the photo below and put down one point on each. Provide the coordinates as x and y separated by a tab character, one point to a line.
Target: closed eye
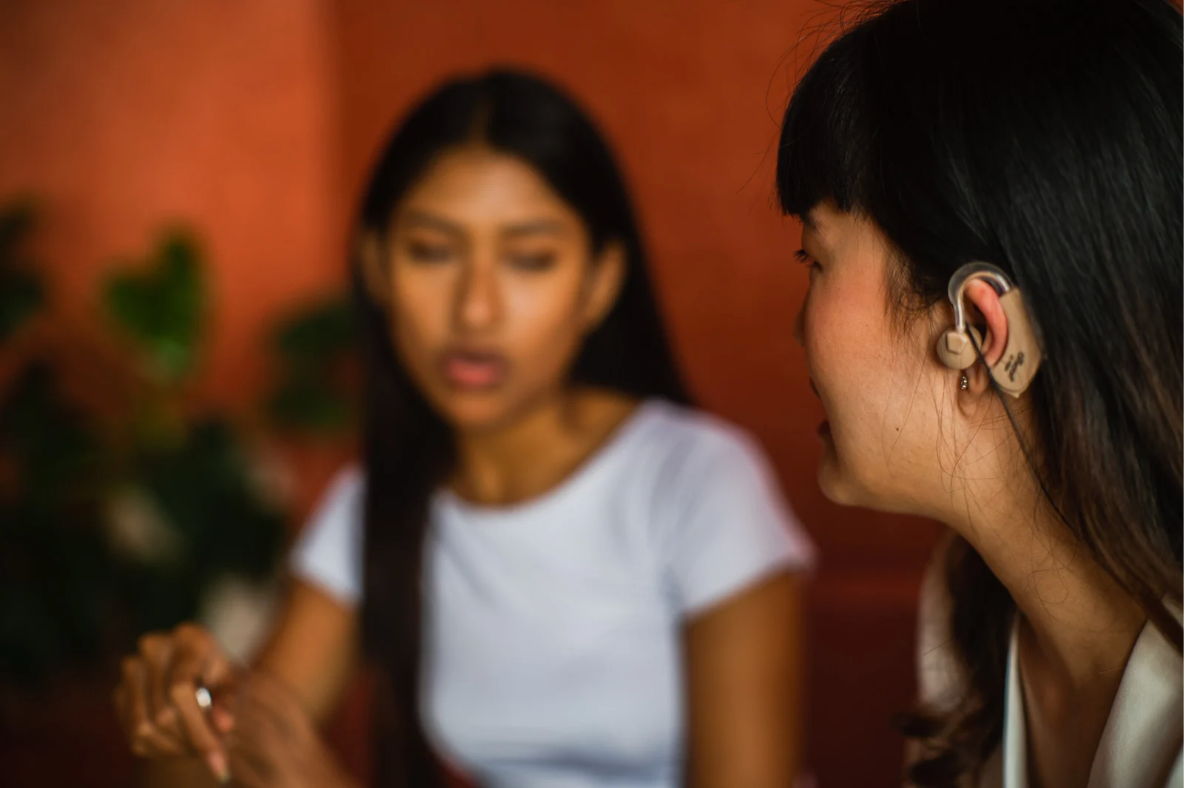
804	258
429	253
532	262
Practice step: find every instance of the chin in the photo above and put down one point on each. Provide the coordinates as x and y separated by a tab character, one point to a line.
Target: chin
474	412
830	475
832	483
839	485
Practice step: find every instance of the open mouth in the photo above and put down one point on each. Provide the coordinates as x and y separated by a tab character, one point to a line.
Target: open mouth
474	370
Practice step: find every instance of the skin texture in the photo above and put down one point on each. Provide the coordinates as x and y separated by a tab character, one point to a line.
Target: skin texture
905	438
482	257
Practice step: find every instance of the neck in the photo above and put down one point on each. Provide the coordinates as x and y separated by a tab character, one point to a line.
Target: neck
534	451
1082	624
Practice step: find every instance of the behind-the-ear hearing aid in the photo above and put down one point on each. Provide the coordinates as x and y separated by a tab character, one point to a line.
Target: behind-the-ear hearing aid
960	348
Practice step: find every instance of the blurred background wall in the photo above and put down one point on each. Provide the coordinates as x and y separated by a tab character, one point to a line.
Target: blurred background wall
254	125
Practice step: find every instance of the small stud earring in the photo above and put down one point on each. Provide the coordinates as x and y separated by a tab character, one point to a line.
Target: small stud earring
963	382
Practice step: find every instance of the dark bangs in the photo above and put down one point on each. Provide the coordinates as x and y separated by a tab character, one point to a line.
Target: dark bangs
825	149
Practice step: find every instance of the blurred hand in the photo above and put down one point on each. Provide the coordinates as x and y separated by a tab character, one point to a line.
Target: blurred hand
156	702
274	744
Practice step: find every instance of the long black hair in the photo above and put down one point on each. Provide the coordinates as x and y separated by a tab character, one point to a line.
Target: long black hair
407	447
1044	136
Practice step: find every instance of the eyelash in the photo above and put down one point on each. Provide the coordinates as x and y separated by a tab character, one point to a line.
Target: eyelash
806	259
428	253
533	262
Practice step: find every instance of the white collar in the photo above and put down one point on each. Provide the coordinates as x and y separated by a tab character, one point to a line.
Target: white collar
1142	739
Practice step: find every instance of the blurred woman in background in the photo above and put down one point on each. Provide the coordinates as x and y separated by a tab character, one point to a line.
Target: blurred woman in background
991	196
566	576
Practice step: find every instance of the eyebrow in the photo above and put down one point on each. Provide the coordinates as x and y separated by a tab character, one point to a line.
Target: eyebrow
422	219
809	221
537	227
534	227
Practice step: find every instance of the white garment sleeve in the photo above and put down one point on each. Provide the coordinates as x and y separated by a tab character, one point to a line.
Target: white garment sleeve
328	552
730	526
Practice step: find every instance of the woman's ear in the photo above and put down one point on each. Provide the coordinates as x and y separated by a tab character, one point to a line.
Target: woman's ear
609	271
987	302
371	264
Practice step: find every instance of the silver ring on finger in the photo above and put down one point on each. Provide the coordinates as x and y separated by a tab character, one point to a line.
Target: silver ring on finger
203	697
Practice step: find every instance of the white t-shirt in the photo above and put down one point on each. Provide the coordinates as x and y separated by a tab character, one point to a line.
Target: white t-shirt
1141	746
553	627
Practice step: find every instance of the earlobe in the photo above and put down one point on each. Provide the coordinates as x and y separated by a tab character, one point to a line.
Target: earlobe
976	374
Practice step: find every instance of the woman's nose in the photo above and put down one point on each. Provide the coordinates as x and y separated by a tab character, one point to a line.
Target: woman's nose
478	297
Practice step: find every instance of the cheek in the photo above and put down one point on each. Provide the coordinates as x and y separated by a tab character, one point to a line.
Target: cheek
421	303
543	320
866	383
840	338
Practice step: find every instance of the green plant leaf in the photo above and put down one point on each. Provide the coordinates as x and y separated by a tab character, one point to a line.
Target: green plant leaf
21	291
309	404
21	295
316	335
162	307
18	219
314	346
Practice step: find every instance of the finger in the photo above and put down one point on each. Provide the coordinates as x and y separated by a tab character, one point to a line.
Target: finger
222	719
144	737
198	730
200	660
197	656
121	700
226	697
155	650
189	669
137	725
200	657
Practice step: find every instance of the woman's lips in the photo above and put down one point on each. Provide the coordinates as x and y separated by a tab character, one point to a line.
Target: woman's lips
474	370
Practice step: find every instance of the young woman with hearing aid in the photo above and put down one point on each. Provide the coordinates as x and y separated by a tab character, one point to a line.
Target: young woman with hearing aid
565	575
991	199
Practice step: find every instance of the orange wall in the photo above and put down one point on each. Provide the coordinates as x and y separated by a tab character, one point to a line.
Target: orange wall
256	122
128	115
